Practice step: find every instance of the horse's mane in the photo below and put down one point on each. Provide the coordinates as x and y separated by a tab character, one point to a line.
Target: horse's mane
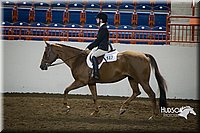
184	108
68	47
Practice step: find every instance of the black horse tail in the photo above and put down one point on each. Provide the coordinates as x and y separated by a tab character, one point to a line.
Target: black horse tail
161	81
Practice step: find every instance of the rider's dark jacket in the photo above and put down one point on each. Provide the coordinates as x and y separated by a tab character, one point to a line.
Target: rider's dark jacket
102	41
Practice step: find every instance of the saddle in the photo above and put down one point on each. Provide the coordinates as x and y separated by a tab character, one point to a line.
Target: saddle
108	57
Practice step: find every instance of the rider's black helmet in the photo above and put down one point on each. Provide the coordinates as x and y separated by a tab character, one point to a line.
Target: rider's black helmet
102	16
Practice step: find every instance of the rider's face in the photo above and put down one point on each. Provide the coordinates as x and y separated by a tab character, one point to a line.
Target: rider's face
98	21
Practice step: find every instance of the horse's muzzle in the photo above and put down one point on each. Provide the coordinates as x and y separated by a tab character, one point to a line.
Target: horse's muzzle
44	66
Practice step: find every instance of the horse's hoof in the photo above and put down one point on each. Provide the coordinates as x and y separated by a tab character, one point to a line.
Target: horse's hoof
95	113
121	111
67	109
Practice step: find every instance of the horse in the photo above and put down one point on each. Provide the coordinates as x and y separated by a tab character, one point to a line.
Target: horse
184	111
133	65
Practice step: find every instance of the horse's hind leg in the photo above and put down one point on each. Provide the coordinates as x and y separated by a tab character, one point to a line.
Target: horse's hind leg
136	92
151	94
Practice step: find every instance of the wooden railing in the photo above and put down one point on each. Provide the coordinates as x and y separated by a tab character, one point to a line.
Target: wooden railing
183	29
82	34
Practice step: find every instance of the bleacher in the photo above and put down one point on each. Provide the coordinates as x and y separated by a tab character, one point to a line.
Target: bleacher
143	10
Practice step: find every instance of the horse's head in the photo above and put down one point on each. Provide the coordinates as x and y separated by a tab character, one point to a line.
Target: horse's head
49	57
187	109
192	111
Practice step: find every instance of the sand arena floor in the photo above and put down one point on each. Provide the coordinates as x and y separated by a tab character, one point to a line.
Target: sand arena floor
45	112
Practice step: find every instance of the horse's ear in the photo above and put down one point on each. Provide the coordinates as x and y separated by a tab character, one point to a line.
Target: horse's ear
47	44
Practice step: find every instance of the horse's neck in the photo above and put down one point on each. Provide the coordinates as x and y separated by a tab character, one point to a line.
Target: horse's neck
185	112
68	54
71	51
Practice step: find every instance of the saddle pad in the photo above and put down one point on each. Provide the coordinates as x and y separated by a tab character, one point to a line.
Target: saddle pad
108	57
111	56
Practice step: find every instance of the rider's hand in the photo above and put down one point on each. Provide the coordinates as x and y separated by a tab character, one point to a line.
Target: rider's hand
86	50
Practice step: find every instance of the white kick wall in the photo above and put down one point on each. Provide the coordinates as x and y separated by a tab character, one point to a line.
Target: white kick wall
21	72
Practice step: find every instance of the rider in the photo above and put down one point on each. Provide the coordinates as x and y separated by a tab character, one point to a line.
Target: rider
101	44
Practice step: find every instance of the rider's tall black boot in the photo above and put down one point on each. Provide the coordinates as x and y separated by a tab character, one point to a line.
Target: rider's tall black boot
95	68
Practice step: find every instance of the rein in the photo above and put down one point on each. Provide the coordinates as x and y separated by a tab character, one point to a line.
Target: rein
59	63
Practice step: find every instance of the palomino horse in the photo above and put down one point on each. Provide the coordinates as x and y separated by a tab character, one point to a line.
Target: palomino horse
134	65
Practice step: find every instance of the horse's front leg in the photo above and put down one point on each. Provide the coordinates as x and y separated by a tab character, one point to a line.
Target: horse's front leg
76	84
94	95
